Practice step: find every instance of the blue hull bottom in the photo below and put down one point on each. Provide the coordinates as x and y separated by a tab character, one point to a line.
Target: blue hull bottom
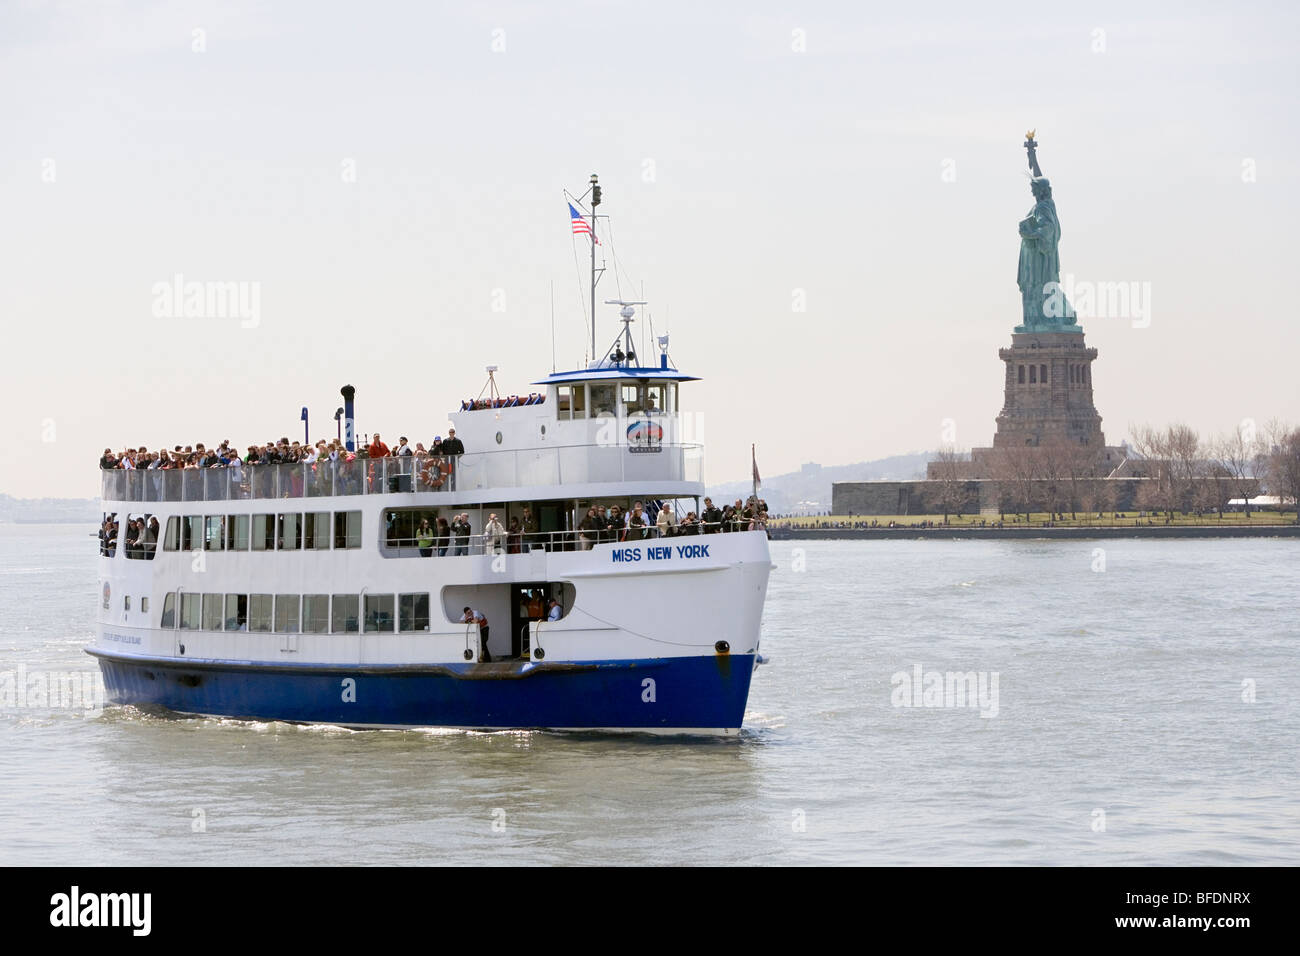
664	695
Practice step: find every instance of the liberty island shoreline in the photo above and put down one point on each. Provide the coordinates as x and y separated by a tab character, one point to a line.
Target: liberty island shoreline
914	532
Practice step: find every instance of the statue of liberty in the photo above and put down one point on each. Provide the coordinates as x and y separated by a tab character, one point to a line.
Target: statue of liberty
1044	305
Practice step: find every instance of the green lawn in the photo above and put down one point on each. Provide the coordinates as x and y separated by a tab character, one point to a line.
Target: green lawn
1036	520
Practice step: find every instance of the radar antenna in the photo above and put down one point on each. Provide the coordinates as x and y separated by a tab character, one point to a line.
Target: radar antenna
627	314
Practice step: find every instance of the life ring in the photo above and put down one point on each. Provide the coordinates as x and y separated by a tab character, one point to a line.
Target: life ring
432	477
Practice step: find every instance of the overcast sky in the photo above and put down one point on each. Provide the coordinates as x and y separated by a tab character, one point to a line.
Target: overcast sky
820	199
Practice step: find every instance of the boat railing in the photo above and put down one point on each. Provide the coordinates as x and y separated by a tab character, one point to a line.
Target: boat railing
473	471
434	546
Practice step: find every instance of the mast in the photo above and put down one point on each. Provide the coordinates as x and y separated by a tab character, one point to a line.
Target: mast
595	201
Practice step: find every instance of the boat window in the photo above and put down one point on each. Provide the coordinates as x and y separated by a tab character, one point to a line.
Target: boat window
347	529
212	607
672	397
259	612
263	533
214	533
343	618
379	612
126	602
656	401
286	613
169	610
316	613
289	537
633	398
144	605
237	533
316	530
572	402
603	398
414	612
236	612
191	532
190	612
172	536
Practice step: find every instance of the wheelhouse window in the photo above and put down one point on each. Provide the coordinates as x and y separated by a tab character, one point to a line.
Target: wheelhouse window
169	610
656	398
343	614
633	398
604	397
571	402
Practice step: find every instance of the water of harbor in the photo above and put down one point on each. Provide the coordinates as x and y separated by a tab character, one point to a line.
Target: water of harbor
1135	702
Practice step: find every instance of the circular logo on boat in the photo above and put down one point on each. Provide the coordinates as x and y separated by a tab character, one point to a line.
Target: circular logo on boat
498	438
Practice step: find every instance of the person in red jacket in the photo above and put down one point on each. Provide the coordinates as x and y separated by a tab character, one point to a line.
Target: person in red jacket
377	448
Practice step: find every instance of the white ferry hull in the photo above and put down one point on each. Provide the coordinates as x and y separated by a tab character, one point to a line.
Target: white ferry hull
665	642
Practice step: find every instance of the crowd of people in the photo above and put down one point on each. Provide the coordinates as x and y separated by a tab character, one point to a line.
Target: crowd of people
140	541
284	451
614	524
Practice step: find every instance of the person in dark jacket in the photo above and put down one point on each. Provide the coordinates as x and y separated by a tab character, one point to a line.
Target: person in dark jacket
712	517
453	445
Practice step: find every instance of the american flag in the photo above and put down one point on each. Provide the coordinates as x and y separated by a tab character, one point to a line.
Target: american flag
581	225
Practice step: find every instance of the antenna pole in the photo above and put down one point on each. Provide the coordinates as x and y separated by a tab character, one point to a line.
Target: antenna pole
595	201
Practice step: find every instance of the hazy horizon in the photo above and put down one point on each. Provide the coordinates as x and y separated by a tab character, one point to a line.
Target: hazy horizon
821	205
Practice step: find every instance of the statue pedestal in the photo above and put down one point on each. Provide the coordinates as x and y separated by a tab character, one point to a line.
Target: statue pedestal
1048	396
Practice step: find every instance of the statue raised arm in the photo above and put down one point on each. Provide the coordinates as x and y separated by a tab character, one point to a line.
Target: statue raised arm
1043	303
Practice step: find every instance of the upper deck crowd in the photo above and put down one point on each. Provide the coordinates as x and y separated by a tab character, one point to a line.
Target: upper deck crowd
279	452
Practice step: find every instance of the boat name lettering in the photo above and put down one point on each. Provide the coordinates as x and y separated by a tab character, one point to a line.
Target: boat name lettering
660	553
122	638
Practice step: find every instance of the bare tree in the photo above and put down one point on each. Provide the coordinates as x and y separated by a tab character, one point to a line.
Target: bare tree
1017	470
1242	458
948	473
1284	464
1172	460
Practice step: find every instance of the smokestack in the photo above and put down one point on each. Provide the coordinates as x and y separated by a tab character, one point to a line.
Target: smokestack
349	418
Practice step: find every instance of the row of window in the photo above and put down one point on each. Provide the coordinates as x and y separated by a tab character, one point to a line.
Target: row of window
1078	374
597	399
290	531
297	613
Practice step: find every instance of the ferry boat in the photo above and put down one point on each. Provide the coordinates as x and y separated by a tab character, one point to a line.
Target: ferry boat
311	592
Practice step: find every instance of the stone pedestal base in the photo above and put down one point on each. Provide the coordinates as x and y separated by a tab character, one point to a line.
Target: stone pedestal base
1048	392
